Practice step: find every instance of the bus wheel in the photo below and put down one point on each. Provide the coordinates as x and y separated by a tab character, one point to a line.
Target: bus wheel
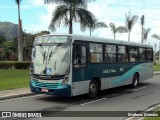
93	89
135	80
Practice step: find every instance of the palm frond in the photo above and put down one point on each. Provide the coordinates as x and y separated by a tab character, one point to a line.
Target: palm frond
113	27
59	17
55	1
146	33
122	29
75	12
130	21
18	1
60	1
156	36
85	18
100	25
69	2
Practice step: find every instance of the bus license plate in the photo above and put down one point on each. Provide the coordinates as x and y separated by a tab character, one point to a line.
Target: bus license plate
44	90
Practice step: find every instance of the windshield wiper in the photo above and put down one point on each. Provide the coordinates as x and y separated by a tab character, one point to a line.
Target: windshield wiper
50	55
44	56
53	51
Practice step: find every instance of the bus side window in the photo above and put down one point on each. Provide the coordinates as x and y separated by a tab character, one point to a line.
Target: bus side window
80	56
123	53
149	54
110	53
142	53
133	54
96	53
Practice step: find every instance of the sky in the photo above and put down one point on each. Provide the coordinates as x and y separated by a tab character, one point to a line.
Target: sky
36	16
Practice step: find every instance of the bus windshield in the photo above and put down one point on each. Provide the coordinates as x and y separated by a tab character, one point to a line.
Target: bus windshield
51	59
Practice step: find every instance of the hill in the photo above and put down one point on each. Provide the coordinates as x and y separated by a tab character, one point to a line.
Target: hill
9	30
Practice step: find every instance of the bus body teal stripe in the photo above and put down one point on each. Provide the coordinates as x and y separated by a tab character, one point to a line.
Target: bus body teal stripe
130	73
108	70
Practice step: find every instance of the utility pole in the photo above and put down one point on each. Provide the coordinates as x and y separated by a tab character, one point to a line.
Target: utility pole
155	45
159	52
24	35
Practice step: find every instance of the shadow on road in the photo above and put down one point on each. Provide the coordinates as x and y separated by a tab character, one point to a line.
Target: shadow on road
109	93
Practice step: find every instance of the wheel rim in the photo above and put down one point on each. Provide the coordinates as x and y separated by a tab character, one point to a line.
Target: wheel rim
136	81
92	88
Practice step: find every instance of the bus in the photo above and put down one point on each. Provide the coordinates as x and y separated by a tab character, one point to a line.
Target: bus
70	65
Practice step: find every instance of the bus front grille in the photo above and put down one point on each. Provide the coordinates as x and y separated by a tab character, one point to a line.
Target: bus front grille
46	85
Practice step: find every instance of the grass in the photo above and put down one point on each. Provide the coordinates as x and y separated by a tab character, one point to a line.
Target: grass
153	118
13	78
157	67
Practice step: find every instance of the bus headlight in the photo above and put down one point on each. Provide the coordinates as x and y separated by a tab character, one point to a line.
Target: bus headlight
66	78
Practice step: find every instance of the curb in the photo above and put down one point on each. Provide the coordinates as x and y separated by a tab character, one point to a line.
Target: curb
156	73
16	96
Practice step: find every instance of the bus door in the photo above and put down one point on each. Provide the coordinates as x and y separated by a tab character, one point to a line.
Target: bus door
80	72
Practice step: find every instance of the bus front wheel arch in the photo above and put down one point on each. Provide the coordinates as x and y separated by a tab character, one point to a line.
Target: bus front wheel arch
135	80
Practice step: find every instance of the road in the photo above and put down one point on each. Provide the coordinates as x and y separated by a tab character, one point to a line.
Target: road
118	99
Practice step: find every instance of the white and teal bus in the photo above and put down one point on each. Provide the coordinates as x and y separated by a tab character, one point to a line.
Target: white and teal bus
70	65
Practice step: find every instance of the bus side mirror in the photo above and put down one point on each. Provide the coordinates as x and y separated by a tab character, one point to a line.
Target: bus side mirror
29	51
30	46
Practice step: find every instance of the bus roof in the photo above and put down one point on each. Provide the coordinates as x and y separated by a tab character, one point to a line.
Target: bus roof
99	39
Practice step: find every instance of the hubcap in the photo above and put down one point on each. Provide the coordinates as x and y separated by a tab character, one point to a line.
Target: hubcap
92	88
136	81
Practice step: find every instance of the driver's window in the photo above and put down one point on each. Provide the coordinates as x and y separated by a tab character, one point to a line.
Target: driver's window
80	54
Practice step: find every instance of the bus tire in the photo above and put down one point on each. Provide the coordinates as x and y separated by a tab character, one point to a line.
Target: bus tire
93	89
135	80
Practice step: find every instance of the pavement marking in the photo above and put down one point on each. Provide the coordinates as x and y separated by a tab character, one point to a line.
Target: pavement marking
138	89
105	98
20	98
129	118
152	108
93	101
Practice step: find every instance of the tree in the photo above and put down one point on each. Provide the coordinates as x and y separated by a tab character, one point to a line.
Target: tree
2	47
142	25
145	34
42	33
158	38
20	49
69	11
93	26
2	39
114	29
129	23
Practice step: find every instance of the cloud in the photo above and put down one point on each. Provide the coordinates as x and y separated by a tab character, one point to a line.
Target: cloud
111	11
47	18
114	11
29	4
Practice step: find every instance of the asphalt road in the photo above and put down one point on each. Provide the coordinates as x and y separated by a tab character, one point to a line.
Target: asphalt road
144	97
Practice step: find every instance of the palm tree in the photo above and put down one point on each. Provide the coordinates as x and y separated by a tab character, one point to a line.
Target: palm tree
93	26
20	49
142	24
145	34
114	29
129	23
158	38
69	11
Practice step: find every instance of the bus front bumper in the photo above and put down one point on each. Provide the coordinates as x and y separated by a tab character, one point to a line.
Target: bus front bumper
63	90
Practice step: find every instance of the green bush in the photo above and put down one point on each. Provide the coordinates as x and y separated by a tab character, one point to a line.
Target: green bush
14	65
